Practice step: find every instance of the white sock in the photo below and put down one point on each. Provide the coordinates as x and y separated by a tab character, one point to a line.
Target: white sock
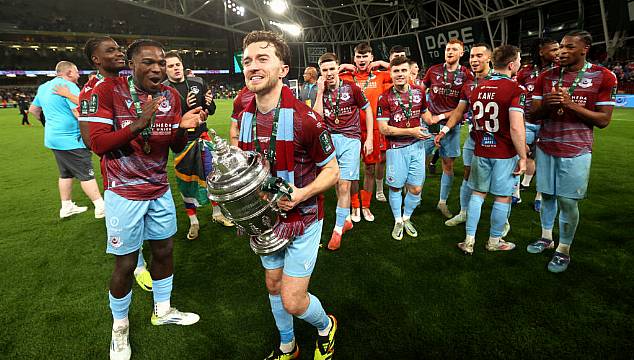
67	203
494	241
516	192
463	212
161	308
98	203
325	331
349	218
442	202
338	229
405	218
379	185
216	211
538	196
527	180
398	220
119	323
193	219
563	248
470	238
287	347
547	234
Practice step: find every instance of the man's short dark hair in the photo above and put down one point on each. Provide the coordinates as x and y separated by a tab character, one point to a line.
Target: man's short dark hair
363	48
481	44
399	60
135	47
396	49
282	51
583	35
537	45
412	62
173	54
328	57
504	54
92	44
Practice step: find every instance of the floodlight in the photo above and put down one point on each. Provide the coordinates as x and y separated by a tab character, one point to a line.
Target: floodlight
278	6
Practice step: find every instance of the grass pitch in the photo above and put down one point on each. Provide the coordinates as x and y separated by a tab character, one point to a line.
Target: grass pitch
414	299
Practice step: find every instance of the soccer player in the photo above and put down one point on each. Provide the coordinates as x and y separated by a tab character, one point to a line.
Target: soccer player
372	83
572	99
136	120
544	57
339	103
444	82
413	73
500	147
479	59
108	58
62	136
193	164
399	116
304	156
23	106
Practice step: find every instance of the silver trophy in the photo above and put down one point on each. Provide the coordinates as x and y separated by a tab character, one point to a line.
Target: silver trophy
242	184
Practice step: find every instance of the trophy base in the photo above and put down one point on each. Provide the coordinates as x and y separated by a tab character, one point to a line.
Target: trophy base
267	243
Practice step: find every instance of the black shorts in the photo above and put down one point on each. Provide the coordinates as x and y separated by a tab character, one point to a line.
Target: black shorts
76	163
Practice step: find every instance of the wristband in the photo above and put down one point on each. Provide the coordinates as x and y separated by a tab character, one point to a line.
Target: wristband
441	117
445	129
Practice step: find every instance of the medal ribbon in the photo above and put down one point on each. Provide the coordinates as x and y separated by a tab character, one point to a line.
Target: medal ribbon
332	106
577	80
147	132
270	155
407	112
367	81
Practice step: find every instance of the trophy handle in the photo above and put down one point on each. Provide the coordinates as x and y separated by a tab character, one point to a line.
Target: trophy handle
278	187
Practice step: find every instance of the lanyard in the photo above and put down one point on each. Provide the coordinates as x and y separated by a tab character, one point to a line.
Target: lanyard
537	70
270	155
99	76
367	81
445	75
499	75
147	132
334	107
407	112
577	80
486	77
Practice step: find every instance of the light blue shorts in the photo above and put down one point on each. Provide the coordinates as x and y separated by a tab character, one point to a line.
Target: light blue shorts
429	146
532	130
450	143
129	222
405	165
297	259
559	176
467	151
493	176
348	152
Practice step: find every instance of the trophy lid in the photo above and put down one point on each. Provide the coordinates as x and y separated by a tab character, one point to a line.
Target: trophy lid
235	172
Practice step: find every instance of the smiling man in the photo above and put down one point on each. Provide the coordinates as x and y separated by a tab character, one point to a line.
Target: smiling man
340	103
400	112
444	82
133	123
571	100
301	153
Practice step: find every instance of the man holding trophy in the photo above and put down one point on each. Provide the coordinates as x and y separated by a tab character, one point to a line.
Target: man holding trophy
298	148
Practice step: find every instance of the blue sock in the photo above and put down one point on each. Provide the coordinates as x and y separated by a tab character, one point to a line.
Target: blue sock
396	200
568	220
465	195
499	216
548	211
315	314
411	202
445	186
140	262
120	307
341	215
162	289
473	214
283	320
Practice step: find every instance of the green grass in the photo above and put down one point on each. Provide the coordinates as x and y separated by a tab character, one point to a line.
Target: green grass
419	298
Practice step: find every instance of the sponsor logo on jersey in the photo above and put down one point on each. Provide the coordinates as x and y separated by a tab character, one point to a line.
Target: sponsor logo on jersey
416	98
345	96
128	103
125	123
530	87
194	89
94	104
115	242
326	142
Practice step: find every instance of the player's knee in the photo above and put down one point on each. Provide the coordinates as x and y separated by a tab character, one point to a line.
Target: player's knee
162	249
125	264
467	172
294	304
567	205
273	285
369	170
414	190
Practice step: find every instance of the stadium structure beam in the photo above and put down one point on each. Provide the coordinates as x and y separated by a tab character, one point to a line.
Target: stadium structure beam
166	11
